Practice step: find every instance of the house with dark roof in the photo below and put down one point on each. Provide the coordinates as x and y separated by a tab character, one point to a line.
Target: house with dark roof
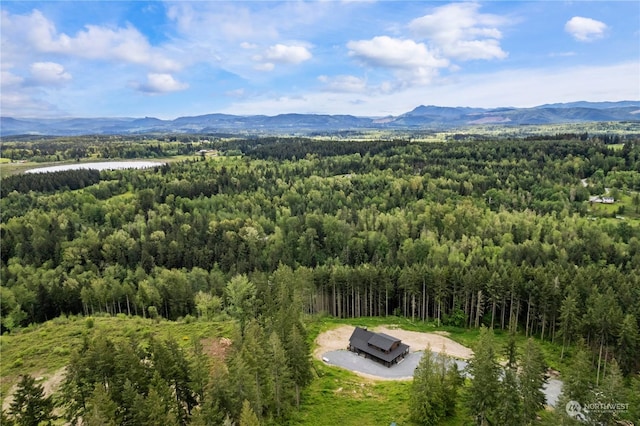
380	347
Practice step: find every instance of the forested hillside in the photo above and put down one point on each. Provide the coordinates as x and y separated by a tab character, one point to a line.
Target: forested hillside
471	233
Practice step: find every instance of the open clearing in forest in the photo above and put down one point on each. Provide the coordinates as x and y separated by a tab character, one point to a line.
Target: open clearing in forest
334	344
338	338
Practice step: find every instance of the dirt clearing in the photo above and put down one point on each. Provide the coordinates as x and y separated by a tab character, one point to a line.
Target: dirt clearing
49	383
338	338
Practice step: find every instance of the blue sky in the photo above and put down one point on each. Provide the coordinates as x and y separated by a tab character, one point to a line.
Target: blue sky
366	58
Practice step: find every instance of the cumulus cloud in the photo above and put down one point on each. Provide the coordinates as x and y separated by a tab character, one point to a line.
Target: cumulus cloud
413	62
93	42
161	83
460	31
585	29
281	54
49	74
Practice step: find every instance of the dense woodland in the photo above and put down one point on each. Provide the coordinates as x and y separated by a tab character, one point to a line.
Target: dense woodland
468	233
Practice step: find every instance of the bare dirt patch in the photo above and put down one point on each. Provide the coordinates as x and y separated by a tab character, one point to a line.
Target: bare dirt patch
338	338
216	348
420	341
50	384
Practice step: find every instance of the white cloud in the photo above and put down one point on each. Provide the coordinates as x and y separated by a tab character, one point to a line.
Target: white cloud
459	31
384	51
127	44
515	87
49	74
161	83
248	38
343	83
8	79
22	99
585	29
413	62
281	53
21	104
201	21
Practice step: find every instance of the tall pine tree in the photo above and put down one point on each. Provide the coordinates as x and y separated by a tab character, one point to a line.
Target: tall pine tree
532	378
482	393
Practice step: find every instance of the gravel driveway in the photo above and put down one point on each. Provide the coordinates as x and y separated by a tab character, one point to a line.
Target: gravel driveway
354	362
404	370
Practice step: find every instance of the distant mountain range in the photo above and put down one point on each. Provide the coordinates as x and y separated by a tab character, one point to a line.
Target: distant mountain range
422	117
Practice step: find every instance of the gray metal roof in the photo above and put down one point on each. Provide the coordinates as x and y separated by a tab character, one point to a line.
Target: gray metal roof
362	339
382	341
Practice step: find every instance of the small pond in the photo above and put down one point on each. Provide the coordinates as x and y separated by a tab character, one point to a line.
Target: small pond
105	165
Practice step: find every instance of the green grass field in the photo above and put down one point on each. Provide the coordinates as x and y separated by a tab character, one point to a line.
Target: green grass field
339	397
336	396
43	349
623	207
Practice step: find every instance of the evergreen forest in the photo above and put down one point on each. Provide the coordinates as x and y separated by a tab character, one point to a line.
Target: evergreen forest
272	234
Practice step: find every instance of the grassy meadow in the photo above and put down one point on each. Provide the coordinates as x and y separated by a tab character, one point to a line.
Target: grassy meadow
335	396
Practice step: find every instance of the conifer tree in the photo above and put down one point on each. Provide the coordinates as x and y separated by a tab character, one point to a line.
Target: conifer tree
532	378
451	381
242	385
633	399
578	380
628	345
30	406
577	385
256	361
281	384
299	361
101	410
158	406
509	411
215	406
611	391
482	393
426	405
247	416
434	389
568	318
